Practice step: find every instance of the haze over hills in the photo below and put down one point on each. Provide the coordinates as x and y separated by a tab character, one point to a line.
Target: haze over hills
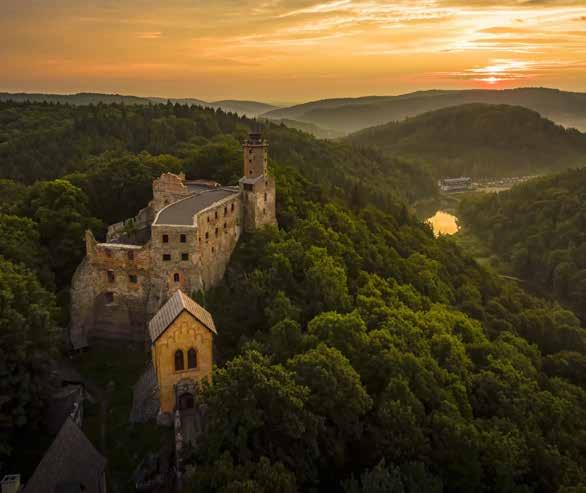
480	140
353	114
247	108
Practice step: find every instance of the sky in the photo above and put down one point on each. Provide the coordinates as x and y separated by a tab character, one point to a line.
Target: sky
286	51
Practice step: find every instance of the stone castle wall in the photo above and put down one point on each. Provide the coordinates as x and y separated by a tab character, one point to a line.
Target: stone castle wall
121	284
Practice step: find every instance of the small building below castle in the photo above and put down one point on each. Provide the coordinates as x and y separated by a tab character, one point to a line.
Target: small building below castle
181	335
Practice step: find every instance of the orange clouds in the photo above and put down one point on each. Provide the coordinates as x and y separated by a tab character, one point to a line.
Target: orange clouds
290	49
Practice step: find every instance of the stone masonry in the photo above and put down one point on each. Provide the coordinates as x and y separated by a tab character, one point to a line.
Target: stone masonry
183	240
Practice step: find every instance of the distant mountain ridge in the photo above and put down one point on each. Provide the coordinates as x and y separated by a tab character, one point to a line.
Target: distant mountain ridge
352	114
480	140
247	108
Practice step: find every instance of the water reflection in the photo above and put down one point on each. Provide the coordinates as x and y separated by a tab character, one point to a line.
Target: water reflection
443	223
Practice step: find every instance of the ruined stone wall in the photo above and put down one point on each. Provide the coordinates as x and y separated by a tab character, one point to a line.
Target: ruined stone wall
109	294
167	189
184	333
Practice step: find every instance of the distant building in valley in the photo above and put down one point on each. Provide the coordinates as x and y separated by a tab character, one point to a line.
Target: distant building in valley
182	240
460	184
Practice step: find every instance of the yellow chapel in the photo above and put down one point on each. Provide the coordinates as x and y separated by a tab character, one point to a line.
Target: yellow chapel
181	335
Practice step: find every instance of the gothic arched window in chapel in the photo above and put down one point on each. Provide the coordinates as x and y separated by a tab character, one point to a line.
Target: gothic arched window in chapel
179	364
191	358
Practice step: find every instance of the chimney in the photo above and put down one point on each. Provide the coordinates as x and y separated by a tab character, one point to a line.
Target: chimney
10	483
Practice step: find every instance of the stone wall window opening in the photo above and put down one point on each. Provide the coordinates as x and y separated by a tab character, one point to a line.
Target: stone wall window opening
213	249
109	297
216	232
216	215
225	226
226	211
166	257
208	219
179	363
248	187
176	277
183	238
133	278
185	257
207	236
111	276
165	238
266	196
191	358
108	252
232	207
130	255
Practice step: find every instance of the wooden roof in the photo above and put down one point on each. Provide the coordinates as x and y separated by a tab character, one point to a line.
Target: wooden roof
178	303
71	459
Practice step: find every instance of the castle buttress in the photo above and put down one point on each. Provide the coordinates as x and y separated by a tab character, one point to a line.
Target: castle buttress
183	240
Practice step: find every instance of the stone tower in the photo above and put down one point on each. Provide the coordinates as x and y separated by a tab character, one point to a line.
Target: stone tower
257	186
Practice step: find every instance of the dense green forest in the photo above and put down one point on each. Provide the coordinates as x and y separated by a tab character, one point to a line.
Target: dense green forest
356	352
353	114
481	141
539	229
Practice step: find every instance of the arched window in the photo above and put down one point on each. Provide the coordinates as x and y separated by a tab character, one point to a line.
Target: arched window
191	358
179	363
176	277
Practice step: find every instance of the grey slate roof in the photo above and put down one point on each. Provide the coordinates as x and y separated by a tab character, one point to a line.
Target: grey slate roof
181	212
71	459
145	398
172	309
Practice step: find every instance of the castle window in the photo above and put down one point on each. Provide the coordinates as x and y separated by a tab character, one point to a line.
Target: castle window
207	236
108	252
216	232
165	238
132	278
208	219
213	249
225	225
175	277
225	211
185	257
264	211
183	238
216	214
250	172
111	276
130	255
248	186
232	207
166	257
191	358
266	196
109	297
179	363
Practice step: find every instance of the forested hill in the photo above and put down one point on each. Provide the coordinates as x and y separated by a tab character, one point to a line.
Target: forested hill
246	108
354	349
481	140
352	114
539	229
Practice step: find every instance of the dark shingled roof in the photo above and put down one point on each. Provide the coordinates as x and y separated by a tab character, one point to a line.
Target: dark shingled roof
172	309
181	212
71	459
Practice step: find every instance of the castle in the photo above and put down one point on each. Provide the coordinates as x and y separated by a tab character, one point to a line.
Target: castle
183	240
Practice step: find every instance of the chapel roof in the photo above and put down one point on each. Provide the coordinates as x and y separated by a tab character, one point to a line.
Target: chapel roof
178	303
71	459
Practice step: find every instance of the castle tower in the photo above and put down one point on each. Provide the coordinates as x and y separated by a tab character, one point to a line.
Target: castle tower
257	186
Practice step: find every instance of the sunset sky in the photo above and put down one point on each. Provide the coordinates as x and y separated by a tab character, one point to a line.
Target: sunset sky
289	50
